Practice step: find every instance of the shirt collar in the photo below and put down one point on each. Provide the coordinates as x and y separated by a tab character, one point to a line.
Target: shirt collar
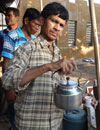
44	42
14	29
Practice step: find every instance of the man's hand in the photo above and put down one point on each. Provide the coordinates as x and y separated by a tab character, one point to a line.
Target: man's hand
63	66
94	101
11	96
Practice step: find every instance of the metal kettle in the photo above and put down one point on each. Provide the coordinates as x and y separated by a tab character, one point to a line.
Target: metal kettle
68	94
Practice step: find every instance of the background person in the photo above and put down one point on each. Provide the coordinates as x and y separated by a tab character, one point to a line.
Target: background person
16	37
11	17
19	36
13	40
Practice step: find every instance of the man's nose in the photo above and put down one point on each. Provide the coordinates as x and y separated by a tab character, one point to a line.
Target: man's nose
57	27
37	27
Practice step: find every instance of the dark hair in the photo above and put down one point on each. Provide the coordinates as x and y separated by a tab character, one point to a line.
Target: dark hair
31	13
15	10
55	8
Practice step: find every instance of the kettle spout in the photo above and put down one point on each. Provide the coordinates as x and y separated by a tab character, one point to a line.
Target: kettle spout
85	86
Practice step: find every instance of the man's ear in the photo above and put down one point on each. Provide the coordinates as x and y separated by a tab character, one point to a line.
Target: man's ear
17	17
41	20
26	20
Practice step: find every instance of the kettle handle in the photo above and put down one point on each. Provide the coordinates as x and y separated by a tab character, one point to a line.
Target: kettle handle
79	77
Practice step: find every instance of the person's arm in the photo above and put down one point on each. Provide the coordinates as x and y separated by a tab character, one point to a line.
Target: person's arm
5	63
7	56
18	74
10	94
64	65
7	52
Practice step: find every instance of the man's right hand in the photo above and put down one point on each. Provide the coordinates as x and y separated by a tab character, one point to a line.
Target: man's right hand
11	96
64	65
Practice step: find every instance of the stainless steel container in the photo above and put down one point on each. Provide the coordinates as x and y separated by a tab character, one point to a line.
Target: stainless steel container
68	95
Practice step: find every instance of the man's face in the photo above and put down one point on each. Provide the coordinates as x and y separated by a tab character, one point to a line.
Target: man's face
11	19
52	27
33	26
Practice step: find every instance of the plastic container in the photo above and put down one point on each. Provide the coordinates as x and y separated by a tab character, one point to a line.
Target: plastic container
75	120
90	112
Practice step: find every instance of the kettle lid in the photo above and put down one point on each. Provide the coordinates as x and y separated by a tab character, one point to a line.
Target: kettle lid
72	82
69	82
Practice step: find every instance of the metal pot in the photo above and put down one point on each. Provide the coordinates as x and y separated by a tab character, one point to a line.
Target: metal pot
68	94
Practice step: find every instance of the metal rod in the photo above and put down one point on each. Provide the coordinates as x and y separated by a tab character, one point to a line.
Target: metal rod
97	58
41	3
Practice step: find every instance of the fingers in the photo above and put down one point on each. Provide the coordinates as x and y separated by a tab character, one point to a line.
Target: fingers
67	66
94	102
74	64
64	65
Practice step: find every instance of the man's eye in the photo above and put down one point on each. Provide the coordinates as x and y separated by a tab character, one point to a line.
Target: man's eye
53	20
61	25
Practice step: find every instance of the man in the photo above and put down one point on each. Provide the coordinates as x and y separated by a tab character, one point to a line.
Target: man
14	38
14	17
35	68
18	36
11	17
12	24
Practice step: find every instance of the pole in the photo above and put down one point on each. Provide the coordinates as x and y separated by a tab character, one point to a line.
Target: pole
97	59
41	3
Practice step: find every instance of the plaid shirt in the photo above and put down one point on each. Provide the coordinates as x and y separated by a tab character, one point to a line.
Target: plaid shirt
34	106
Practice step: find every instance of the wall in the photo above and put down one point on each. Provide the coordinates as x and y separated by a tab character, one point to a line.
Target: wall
24	4
79	12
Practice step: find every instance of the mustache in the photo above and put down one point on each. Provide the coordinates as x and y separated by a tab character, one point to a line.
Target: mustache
53	31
